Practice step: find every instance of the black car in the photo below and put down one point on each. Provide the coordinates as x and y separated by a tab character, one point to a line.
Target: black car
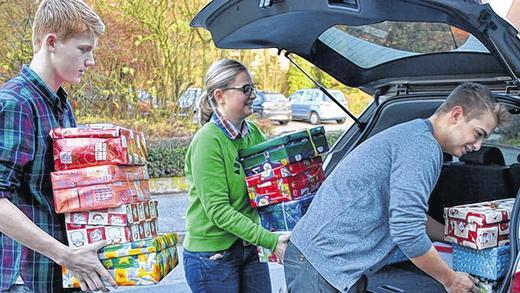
272	106
407	54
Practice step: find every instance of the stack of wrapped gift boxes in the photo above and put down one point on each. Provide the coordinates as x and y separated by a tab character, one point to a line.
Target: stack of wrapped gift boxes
101	186
281	175
480	236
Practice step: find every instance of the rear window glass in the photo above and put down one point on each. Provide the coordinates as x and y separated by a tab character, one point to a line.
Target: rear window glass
371	45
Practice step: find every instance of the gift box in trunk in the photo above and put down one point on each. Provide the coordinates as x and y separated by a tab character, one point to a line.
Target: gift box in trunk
290	148
491	263
286	188
285	215
80	235
103	196
137	263
97	145
480	225
97	175
121	216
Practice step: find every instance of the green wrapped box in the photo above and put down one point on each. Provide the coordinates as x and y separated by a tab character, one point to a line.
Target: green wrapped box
283	150
138	263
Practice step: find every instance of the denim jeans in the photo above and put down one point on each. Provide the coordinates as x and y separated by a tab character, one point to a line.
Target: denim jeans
302	277
19	288
238	270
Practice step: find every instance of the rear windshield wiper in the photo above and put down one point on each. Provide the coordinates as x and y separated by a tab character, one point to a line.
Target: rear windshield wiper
360	124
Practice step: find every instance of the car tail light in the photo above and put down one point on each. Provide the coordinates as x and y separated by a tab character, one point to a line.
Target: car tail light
515	288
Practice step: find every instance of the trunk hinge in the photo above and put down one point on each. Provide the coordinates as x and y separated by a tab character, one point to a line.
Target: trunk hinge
513	86
360	124
402	89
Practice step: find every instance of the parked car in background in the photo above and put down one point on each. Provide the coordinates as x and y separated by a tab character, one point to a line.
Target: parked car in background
272	106
408	55
189	101
314	106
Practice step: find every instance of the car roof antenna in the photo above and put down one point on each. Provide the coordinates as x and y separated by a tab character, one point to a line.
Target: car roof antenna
324	90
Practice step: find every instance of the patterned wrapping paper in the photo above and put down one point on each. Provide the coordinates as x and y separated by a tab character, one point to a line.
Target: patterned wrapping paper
285	215
268	174
97	175
104	196
491	263
96	145
136	263
286	188
121	216
290	148
80	235
480	225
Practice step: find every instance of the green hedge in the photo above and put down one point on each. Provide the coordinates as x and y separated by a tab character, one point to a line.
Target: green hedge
166	156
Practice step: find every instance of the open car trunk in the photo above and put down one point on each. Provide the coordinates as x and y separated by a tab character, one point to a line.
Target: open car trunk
489	174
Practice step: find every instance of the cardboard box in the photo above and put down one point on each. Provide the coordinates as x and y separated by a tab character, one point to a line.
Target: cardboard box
79	234
97	175
95	197
480	225
285	215
137	263
121	216
491	263
265	172
286	188
290	148
95	145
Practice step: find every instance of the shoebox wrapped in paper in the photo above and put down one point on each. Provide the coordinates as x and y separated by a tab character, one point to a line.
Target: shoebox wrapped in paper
97	144
285	215
101	196
80	234
480	225
490	263
305	179
121	216
97	175
144	262
283	150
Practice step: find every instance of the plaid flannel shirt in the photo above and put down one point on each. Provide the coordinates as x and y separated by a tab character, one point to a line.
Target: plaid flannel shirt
229	129
29	109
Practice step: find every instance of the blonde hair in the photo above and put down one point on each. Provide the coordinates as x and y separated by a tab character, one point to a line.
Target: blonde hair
475	99
65	18
220	74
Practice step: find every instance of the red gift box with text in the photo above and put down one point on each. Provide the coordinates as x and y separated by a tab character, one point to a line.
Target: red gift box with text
285	184
102	196
96	145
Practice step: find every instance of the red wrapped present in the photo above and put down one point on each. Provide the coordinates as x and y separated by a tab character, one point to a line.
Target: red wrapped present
289	170
480	225
103	196
96	145
287	187
97	175
120	216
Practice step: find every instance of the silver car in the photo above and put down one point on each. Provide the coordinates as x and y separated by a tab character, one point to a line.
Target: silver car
314	106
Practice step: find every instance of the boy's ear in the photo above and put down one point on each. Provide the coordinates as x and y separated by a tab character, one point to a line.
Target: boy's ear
456	113
50	42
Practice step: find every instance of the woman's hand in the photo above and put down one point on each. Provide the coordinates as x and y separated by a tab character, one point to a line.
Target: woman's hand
281	246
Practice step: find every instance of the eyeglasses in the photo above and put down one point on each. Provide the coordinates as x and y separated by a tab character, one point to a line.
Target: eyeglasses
247	89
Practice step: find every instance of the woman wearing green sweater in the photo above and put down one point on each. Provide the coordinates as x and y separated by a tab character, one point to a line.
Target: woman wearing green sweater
222	229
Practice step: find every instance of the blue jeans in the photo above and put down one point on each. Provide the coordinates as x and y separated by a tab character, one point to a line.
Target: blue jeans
239	270
301	276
